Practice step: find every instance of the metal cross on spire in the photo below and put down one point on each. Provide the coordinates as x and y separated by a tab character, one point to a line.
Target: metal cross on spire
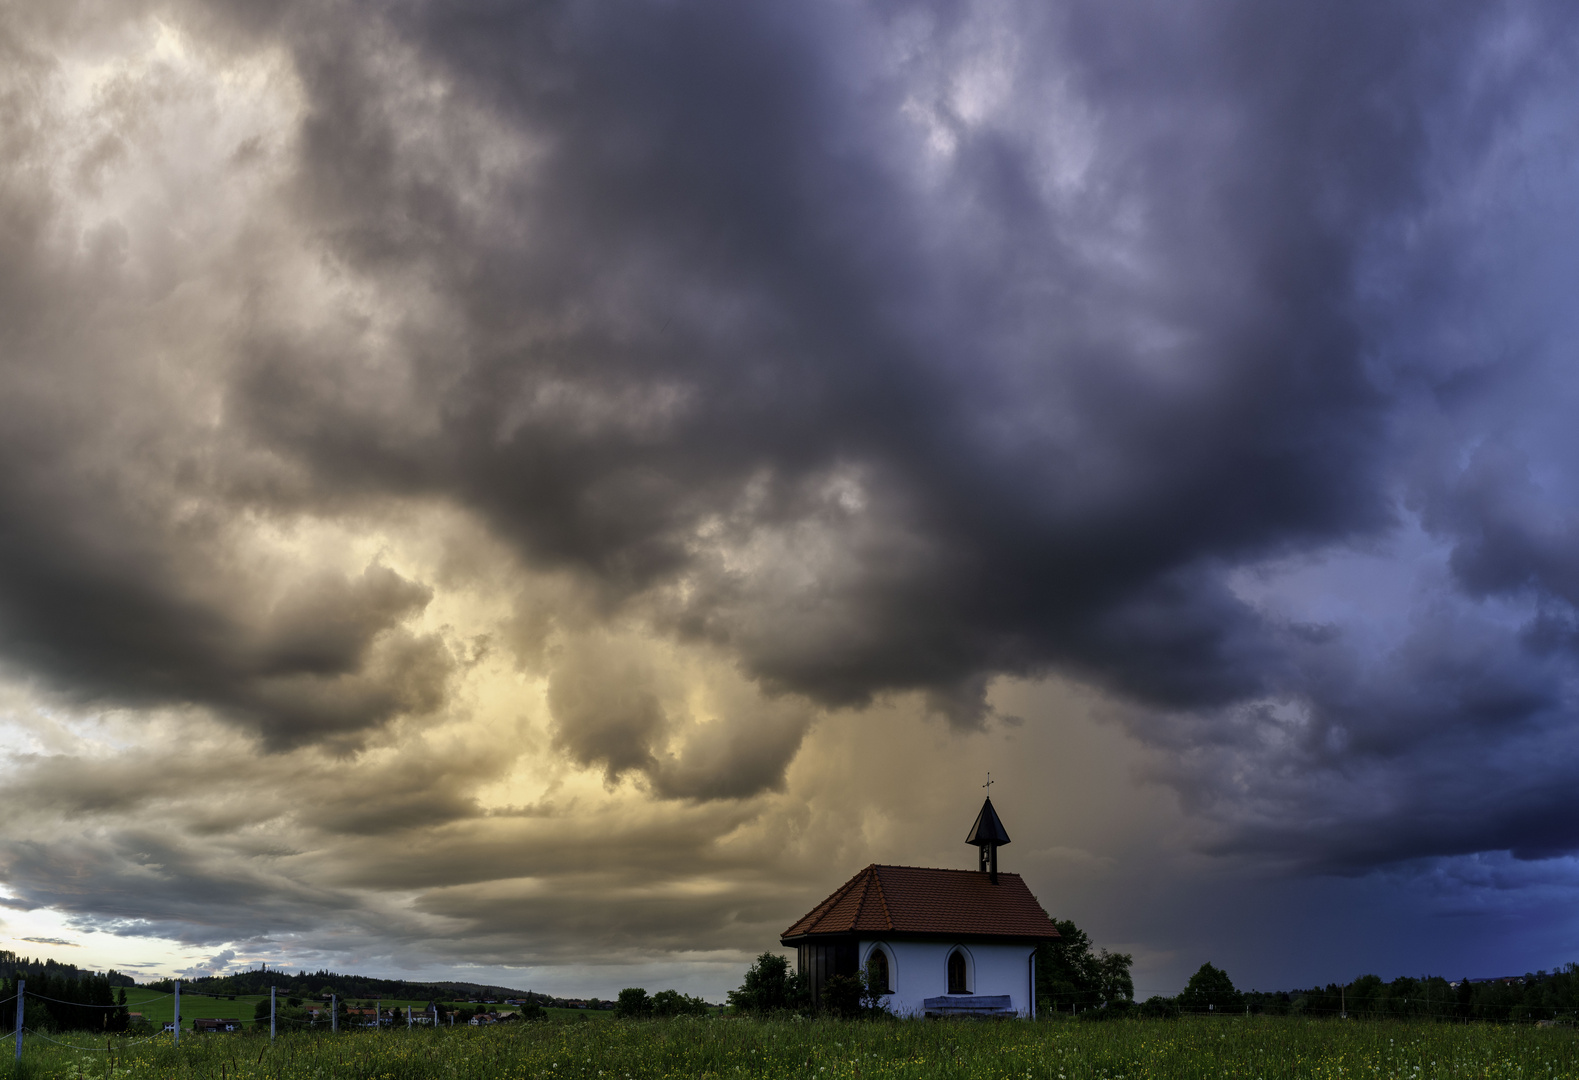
988	784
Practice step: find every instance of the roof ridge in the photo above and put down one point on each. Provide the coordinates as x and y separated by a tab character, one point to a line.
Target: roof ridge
818	913
882	899
868	875
937	869
861	896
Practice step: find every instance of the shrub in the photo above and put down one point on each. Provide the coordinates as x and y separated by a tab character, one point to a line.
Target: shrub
769	987
841	996
1159	1008
1113	1010
633	1003
674	1003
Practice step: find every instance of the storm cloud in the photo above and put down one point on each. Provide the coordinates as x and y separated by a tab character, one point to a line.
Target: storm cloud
430	406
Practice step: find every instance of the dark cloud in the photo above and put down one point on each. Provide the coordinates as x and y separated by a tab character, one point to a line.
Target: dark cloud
1207	354
727	353
964	430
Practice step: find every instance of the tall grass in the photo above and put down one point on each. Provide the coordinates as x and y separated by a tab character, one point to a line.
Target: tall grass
1269	1048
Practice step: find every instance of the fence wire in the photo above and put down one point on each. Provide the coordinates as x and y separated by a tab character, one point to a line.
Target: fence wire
90	1049
84	1005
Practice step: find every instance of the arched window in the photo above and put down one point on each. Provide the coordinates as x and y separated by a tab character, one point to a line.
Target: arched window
956	973
877	972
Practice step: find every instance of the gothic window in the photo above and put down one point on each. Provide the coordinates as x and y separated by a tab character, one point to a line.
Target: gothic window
956	973
877	972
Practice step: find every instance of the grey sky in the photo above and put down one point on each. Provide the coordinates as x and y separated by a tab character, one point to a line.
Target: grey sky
466	469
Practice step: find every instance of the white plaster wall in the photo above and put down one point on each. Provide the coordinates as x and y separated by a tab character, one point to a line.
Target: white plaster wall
918	970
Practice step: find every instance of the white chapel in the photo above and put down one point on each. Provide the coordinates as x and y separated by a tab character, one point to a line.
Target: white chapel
941	942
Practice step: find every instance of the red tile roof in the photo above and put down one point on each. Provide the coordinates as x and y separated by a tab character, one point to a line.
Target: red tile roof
915	900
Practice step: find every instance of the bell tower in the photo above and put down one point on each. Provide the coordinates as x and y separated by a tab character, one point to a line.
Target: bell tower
988	834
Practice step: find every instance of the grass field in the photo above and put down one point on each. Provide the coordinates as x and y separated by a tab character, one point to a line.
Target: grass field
158	1008
577	1014
161	1007
736	1049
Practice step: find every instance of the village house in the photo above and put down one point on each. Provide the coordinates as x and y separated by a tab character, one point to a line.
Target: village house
934	942
216	1025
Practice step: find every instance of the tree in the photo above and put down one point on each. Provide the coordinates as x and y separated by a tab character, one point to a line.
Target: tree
120	1016
1071	977
1464	998
1113	979
68	1002
769	987
1210	990
1366	996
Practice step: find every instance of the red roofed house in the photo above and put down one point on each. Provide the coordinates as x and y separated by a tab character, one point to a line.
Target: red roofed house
216	1025
942	942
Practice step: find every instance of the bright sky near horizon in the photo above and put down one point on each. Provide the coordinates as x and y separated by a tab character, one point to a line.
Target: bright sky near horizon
542	493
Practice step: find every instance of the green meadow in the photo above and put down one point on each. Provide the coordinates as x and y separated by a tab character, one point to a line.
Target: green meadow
159	1008
578	1014
1255	1048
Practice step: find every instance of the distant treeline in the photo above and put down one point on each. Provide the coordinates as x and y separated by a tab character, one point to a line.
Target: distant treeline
64	997
81	1002
11	965
1540	995
320	984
